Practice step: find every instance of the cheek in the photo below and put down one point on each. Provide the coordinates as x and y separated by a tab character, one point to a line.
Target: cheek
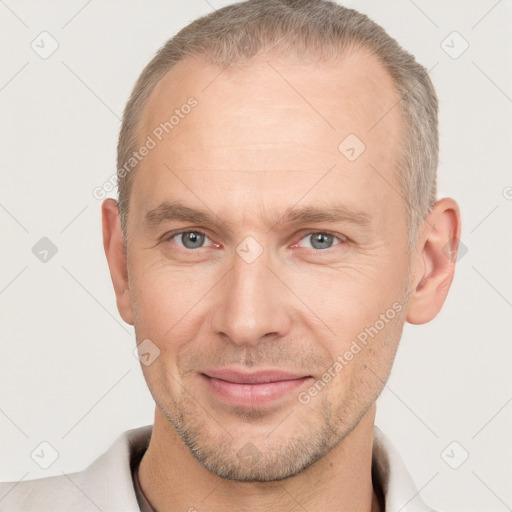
360	366
347	299
172	309
165	297
358	318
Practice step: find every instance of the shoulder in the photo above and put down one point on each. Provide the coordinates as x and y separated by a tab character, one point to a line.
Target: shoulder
106	484
51	493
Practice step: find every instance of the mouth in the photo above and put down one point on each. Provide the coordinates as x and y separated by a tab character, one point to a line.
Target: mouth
254	389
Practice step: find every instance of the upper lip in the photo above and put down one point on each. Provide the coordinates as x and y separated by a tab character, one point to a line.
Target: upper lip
255	377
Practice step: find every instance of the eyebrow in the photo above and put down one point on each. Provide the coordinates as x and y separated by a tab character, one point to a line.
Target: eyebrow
176	211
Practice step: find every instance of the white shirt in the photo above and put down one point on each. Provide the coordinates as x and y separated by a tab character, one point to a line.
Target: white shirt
107	485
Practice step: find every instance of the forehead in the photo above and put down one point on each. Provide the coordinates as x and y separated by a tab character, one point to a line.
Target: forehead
353	94
272	123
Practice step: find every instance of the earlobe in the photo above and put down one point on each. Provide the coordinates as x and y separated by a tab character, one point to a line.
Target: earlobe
116	257
435	256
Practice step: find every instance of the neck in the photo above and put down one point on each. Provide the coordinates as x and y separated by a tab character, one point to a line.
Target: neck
172	479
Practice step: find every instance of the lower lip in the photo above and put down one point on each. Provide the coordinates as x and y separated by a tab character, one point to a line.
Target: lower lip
252	395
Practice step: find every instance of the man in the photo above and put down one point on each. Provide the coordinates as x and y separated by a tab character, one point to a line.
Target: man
277	224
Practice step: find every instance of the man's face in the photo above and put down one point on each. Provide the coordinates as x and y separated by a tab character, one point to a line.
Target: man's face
252	285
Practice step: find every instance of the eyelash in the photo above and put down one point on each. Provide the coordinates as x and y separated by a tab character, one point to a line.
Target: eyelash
342	239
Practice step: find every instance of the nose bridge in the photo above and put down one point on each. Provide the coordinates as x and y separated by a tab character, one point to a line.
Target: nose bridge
251	304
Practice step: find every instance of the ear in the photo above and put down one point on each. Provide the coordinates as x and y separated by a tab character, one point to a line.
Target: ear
433	264
116	256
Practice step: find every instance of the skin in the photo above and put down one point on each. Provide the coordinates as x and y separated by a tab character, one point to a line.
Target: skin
251	149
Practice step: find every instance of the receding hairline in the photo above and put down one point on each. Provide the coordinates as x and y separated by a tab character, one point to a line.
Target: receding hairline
276	56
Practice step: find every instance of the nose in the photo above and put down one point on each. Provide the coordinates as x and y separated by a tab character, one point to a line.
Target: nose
251	304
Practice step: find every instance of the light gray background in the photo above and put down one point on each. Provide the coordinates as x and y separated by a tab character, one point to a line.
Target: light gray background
67	372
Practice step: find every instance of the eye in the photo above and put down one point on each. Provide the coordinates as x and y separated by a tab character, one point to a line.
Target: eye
319	240
189	239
